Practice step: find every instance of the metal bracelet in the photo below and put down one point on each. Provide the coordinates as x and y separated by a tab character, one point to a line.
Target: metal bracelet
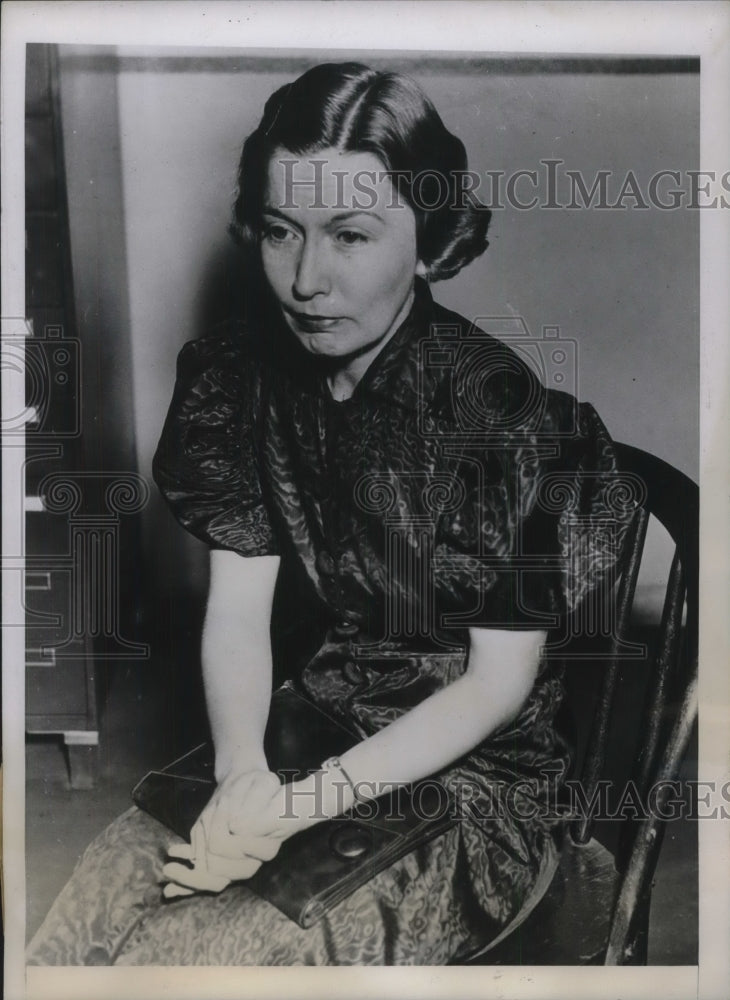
336	762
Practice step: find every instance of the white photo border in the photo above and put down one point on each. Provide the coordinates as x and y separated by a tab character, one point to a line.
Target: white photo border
585	29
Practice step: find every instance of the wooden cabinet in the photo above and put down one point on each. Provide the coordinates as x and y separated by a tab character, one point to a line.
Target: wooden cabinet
61	692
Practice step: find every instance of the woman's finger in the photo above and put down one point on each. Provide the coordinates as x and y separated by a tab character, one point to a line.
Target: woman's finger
173	889
220	838
233	869
237	848
223	844
194	878
182	851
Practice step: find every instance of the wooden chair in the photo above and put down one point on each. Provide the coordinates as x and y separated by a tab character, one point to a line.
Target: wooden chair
596	910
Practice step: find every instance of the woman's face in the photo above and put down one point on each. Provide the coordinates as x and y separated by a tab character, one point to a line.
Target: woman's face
338	248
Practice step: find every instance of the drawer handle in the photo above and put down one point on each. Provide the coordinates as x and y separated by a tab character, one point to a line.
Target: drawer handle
37	657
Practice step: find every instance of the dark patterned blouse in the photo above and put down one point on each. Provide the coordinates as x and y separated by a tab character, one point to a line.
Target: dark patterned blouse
450	491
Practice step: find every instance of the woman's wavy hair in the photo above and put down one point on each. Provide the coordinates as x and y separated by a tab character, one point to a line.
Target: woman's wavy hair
355	109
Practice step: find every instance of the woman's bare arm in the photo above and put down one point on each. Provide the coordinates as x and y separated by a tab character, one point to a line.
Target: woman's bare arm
236	655
500	674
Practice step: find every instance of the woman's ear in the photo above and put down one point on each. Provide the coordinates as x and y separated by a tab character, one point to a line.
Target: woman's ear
421	270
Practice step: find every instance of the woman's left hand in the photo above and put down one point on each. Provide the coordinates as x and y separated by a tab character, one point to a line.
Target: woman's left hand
244	817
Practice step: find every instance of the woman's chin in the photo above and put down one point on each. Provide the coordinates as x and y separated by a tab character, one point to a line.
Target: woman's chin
323	345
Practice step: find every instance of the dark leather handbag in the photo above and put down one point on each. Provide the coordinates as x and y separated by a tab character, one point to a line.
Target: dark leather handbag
319	867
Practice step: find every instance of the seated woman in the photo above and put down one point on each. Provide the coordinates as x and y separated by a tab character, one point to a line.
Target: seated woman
428	513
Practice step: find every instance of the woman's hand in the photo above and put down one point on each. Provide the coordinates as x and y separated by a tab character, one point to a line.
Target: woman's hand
185	879
242	818
242	826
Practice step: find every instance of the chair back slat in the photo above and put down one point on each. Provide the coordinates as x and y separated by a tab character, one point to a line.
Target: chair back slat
643	860
656	702
630	575
674	500
665	661
582	828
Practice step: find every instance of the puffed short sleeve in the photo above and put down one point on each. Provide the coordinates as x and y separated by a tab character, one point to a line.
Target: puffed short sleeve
542	524
205	465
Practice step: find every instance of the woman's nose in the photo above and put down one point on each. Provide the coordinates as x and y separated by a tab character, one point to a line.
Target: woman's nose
312	273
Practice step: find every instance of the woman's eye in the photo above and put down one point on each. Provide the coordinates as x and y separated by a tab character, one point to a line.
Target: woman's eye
351	238
277	233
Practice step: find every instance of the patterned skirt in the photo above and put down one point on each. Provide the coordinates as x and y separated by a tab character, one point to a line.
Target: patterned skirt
423	910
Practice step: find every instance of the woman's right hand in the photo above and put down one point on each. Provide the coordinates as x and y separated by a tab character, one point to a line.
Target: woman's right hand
231	838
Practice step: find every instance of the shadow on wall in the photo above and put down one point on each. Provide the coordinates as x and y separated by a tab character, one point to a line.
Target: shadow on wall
179	561
222	289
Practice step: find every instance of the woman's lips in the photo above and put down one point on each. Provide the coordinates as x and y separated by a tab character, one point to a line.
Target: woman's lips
313	323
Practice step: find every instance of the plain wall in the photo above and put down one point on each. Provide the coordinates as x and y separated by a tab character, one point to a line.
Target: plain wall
622	284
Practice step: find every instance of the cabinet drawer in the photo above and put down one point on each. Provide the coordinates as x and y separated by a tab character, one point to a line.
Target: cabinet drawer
58	690
59	675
